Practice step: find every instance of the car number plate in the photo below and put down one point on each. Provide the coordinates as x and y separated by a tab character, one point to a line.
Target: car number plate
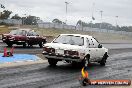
59	51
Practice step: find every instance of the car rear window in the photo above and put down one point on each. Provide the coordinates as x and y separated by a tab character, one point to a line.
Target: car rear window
17	32
70	39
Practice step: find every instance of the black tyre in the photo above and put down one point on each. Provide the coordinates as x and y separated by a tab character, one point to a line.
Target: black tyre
86	61
84	83
25	44
31	45
52	62
75	64
9	44
41	44
103	61
44	41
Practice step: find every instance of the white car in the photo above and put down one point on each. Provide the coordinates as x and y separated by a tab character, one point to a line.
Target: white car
75	48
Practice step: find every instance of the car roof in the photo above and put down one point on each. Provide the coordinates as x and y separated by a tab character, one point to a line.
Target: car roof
77	35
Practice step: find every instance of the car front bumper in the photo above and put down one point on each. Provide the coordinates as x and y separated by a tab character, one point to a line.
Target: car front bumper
12	41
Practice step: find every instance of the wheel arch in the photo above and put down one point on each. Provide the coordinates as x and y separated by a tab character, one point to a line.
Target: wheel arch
106	51
87	56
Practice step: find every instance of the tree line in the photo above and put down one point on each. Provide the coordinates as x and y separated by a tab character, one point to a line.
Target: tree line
104	25
28	20
32	20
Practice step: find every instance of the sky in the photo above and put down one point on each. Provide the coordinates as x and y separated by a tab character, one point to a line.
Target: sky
47	10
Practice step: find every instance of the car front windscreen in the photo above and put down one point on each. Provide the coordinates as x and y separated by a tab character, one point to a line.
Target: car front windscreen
70	39
17	32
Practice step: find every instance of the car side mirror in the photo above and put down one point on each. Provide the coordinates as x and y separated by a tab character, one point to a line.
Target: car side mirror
99	46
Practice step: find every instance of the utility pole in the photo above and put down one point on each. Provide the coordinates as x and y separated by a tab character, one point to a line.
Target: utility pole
101	13
82	22
23	19
66	11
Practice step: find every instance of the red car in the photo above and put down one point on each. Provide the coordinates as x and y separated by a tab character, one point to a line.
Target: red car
25	37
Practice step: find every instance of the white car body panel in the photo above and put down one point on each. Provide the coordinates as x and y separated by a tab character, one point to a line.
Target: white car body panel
90	47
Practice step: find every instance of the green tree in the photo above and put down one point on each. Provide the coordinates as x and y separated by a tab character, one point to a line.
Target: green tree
30	20
5	14
57	21
81	23
16	16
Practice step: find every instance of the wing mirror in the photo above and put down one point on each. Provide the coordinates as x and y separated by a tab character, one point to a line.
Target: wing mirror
99	46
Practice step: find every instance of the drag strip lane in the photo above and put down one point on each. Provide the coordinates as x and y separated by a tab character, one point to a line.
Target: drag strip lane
64	75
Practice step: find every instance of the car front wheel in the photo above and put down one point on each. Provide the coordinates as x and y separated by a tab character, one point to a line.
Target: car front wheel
41	44
9	44
103	61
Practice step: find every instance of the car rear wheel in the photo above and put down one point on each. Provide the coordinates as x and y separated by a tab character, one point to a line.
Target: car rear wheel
86	62
9	44
52	62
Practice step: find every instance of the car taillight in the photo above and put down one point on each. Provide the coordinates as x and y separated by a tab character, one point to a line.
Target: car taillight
49	50
71	53
66	52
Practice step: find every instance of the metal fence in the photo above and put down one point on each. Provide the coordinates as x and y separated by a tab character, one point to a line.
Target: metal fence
11	21
57	26
64	26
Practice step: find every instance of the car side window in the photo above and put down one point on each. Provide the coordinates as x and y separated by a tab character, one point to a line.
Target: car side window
35	34
23	32
30	33
91	44
95	43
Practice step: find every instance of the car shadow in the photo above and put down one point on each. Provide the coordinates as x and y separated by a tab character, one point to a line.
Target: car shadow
28	47
70	68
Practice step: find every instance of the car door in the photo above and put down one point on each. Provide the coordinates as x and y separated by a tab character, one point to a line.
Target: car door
99	51
31	38
38	39
91	49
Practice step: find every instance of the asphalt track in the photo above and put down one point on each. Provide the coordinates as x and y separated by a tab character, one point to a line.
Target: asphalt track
119	66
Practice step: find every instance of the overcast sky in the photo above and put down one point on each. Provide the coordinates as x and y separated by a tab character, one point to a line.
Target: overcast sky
47	10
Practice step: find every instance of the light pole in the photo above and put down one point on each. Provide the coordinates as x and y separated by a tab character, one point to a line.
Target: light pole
92	14
101	13
116	20
82	23
66	10
23	19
